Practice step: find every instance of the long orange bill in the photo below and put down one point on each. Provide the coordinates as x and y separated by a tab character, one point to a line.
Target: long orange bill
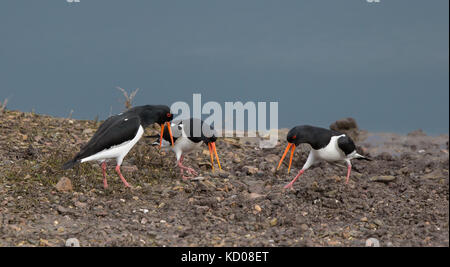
284	154
161	137
292	156
211	154
170	132
213	145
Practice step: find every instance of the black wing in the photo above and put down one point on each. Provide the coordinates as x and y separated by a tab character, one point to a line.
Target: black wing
112	132
346	144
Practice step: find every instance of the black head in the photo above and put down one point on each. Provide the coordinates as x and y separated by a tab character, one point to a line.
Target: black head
164	114
299	134
150	114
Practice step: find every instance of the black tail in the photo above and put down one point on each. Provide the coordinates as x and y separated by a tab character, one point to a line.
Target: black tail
70	164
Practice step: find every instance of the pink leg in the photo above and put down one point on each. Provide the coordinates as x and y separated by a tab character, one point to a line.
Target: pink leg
348	173
121	176
105	183
189	170
296	177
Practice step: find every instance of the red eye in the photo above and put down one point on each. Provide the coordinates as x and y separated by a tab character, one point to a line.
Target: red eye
294	137
169	115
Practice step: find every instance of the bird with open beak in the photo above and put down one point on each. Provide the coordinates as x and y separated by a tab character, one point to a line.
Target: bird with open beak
118	134
189	135
326	145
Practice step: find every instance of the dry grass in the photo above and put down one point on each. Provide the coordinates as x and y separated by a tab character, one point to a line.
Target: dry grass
128	97
3	105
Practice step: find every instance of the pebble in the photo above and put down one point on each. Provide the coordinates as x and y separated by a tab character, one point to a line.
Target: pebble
72	242
372	242
64	185
258	208
250	170
382	178
273	222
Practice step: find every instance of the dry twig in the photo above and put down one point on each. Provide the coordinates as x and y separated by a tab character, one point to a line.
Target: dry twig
128	97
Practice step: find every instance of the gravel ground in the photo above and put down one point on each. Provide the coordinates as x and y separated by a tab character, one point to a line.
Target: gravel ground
399	198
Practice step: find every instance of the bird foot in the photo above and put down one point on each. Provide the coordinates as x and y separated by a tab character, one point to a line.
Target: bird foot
185	178
289	186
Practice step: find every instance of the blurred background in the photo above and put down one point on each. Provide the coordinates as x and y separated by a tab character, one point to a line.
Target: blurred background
385	64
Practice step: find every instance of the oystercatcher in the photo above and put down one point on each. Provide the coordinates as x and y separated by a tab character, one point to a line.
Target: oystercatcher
189	135
327	145
118	134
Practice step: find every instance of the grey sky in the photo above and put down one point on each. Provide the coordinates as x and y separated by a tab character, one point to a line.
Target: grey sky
385	64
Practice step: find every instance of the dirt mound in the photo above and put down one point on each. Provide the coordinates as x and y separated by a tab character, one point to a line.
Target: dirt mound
347	126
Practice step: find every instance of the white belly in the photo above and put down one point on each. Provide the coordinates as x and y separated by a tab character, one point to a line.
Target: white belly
183	146
331	152
118	152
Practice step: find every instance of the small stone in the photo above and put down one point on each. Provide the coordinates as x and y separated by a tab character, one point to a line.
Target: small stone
254	195
372	242
258	208
72	242
236	160
250	170
64	185
273	222
80	205
364	219
378	222
304	227
44	243
382	178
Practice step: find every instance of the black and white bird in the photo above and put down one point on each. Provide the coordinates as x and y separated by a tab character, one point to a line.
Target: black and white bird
326	145
118	134
189	135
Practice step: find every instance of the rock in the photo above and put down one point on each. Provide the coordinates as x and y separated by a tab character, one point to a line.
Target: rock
258	208
80	205
385	156
382	178
272	158
364	219
304	227
372	242
64	211
273	222
64	185
347	126
378	222
254	195
250	170
88	131
436	174
72	242
418	132
44	243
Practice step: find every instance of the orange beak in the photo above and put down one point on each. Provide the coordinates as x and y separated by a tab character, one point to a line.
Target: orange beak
170	132
211	154
292	156
212	149
284	155
162	133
